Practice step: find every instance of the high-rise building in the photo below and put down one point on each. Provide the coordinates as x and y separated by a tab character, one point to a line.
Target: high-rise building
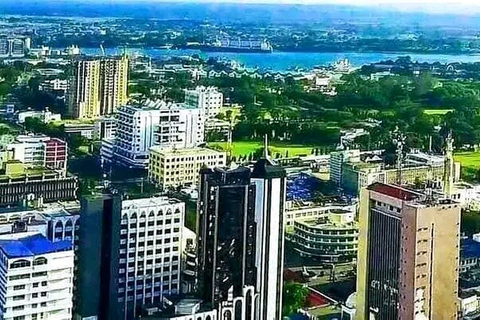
408	255
240	238
162	124
130	251
96	277
270	197
113	84
36	277
207	99
226	233
97	87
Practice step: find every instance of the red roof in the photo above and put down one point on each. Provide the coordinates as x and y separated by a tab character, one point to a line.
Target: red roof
316	300
393	191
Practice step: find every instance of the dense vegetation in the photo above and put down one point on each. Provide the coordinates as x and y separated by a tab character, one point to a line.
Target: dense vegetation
284	111
294	297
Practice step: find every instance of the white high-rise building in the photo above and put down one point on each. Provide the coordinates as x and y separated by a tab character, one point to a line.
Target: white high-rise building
207	99
162	124
270	197
150	251
36	277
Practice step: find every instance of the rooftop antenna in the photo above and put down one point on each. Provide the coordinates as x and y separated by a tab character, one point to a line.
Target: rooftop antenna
103	50
448	166
399	140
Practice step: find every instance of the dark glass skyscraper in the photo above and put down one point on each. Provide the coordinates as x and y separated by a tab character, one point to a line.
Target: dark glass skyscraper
240	236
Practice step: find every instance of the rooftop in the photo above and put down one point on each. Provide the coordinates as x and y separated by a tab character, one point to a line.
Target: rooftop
325	224
186	152
158	201
394	191
32	245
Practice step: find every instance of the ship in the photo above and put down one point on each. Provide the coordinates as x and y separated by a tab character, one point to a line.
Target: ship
238	45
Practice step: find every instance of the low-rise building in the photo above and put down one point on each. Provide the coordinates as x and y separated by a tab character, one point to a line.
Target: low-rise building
181	167
45	116
39	151
54	86
19	184
86	130
297	210
329	239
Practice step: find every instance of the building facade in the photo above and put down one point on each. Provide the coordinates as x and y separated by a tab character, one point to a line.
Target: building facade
408	256
240	240
181	167
97	87
138	246
36	277
337	160
49	186
208	99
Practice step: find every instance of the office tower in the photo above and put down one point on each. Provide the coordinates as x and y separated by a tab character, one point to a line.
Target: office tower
270	197
226	233
337	160
96	279
408	255
130	250
208	99
97	87
240	238
36	277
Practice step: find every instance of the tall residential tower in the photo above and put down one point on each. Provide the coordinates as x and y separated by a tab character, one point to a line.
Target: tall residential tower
97	87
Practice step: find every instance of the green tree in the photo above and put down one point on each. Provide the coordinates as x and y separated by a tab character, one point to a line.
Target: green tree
294	297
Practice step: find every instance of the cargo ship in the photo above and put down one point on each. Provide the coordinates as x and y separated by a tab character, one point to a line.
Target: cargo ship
238	45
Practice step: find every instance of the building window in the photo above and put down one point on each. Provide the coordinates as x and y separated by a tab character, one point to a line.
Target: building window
20	264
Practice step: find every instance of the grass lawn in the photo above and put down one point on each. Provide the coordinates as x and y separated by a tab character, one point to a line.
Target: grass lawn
437	112
244	148
469	159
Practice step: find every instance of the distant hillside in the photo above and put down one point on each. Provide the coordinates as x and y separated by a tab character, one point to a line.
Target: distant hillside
228	12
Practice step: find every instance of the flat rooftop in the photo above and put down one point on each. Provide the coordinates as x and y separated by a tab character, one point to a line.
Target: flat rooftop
325	224
31	245
394	191
185	152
